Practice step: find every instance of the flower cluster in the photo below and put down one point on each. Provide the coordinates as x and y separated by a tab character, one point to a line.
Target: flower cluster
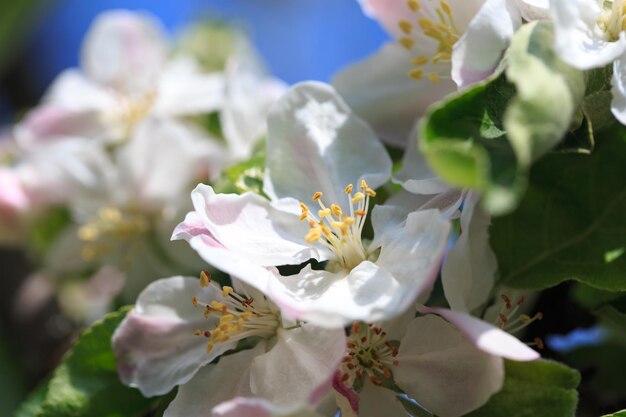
356	275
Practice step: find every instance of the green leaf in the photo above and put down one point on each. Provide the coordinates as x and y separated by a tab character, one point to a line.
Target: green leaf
539	388
571	223
612	318
618	414
244	176
86	383
487	136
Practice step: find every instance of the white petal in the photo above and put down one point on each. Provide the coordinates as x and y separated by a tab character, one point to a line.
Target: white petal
315	143
485	336
249	95
380	90
155	345
161	161
124	51
378	401
442	371
468	273
413	255
298	370
534	9
184	90
477	54
73	91
578	40
251	228
618	89
257	407
214	384
388	13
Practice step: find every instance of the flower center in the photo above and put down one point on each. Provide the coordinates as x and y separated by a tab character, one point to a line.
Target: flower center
102	234
510	321
338	231
369	355
239	316
612	20
130	111
432	23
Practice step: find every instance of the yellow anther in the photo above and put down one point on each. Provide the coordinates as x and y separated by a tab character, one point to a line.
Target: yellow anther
217	306
312	224
363	185
426	24
420	60
360	213
197	332
88	233
416	74
305	212
325	229
317	196
358	197
337	225
194	300
370	192
348	189
441	56
246	315
524	318
226	318
408	43
405	26
209	347
324	212
434	77
314	235
336	210
205	278
349	220
446	7
414	5
207	311
226	290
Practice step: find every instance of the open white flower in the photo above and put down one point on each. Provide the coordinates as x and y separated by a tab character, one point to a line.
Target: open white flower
393	87
592	34
318	150
180	325
430	359
125	75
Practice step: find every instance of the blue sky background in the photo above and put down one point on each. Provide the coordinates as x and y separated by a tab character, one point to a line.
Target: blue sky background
299	39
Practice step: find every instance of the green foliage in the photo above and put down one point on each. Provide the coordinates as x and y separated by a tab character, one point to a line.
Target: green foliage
534	389
487	136
86	383
48	228
570	225
244	176
618	414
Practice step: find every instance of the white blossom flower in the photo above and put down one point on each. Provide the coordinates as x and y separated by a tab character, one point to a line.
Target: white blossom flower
393	87
430	359
179	326
590	34
317	147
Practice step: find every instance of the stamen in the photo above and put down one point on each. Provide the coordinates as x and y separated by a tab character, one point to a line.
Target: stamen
205	278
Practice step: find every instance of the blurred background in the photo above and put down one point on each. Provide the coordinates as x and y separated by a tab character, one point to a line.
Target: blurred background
298	39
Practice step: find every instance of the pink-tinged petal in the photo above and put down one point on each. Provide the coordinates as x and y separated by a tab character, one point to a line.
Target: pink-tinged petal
215	384
73	91
249	227
347	398
440	369
388	13
155	345
316	143
485	336
477	54
297	371
124	51
51	121
380	90
468	273
185	90
13	197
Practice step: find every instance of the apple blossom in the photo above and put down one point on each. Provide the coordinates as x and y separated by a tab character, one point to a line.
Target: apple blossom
319	151
181	325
